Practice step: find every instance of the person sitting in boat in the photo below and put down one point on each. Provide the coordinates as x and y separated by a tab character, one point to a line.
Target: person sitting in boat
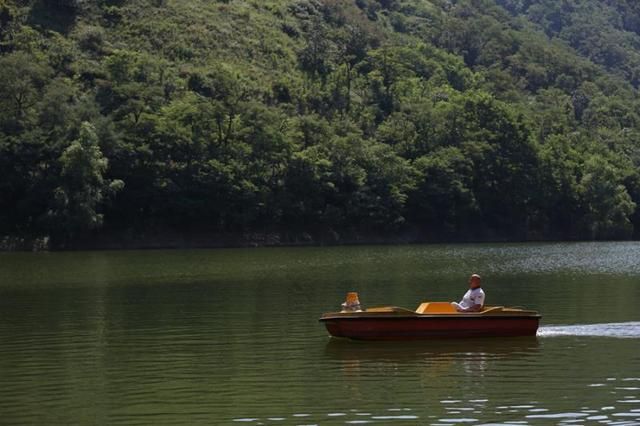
473	299
352	304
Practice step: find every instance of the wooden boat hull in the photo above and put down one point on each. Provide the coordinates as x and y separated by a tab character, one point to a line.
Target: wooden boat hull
416	327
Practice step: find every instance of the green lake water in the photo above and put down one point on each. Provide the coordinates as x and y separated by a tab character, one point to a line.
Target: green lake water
228	337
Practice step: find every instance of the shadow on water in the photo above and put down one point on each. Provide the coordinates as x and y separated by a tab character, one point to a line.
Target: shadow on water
488	348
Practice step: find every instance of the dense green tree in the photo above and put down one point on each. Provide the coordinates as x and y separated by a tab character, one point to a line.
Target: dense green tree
468	119
23	78
314	56
444	200
604	198
77	200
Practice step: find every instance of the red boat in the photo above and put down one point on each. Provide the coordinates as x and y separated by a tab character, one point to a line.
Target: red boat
431	320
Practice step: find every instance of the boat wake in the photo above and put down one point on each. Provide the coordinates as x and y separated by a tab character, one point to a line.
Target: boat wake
628	330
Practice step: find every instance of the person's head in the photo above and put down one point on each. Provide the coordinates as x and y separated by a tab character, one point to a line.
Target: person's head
474	281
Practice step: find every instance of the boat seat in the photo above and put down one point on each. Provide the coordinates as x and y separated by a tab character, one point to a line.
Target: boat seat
389	309
492	309
436	308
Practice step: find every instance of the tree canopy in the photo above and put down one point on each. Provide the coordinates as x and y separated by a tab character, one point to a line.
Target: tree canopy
444	120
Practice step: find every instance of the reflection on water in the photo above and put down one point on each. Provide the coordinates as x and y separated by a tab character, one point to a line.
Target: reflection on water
491	362
430	350
231	337
472	411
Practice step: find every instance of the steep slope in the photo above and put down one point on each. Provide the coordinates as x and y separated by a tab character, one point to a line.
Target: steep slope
474	119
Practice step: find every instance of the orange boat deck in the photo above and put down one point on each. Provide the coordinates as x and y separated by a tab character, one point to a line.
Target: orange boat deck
430	320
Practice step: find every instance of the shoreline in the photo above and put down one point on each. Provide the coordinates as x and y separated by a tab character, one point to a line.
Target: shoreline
203	240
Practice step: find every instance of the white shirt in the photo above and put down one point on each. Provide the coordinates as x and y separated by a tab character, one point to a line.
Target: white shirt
472	297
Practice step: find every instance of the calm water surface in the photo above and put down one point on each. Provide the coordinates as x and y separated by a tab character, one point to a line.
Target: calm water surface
227	337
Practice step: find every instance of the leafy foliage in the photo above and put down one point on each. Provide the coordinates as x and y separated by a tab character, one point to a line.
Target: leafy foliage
467	119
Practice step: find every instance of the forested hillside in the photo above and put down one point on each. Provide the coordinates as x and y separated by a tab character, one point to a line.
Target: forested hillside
317	119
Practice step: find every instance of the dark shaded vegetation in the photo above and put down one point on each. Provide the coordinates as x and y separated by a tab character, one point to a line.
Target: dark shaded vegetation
474	119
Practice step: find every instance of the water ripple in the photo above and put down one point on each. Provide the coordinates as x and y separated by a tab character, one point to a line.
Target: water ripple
622	330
